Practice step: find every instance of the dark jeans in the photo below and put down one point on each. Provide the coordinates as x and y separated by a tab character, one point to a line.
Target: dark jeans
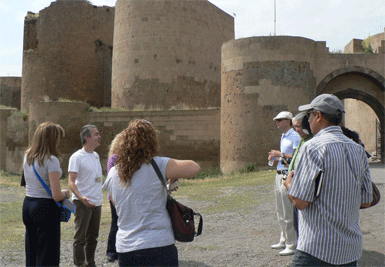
113	230
161	256
41	218
304	259
87	223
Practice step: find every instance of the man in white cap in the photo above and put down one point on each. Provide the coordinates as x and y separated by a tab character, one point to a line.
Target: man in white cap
285	211
330	184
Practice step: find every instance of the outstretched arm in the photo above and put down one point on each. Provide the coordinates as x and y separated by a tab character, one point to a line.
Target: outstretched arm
181	169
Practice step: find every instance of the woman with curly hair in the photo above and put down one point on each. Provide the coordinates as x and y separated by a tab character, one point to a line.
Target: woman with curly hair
41	215
145	236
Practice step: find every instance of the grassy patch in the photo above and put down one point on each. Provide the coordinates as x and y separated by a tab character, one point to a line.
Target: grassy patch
220	193
234	192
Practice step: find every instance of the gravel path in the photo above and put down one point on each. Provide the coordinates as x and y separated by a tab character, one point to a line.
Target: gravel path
244	238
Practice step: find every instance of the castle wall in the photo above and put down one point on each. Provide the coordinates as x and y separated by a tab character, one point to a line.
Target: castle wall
261	76
67	49
168	53
14	140
184	134
364	124
10	90
377	41
354	46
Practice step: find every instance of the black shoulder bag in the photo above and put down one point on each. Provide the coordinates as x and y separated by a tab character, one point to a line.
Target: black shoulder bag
182	217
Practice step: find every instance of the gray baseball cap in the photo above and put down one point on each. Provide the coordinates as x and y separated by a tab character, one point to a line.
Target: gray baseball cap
325	103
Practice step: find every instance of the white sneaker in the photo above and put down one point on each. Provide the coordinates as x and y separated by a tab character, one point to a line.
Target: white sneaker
287	252
278	246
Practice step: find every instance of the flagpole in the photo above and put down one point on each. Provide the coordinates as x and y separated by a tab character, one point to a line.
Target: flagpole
275	18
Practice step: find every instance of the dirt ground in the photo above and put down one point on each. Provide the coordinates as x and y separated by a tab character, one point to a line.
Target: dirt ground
244	238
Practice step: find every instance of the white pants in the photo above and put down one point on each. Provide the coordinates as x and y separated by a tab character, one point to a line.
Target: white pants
285	214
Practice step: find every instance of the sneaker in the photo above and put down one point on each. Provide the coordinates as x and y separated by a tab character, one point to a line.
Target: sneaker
278	246
287	252
111	257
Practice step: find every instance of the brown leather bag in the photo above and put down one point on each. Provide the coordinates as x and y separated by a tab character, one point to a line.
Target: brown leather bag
376	196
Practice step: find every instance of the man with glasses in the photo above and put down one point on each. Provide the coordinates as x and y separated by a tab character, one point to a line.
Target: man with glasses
285	212
329	185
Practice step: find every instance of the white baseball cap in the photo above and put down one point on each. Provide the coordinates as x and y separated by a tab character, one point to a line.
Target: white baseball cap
284	115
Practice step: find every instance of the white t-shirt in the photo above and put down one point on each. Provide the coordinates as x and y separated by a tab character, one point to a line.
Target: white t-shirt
89	179
143	220
34	188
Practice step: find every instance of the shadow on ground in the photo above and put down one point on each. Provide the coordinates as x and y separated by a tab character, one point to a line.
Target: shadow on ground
371	258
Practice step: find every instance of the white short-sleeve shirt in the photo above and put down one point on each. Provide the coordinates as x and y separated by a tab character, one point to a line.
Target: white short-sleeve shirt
89	179
143	220
34	188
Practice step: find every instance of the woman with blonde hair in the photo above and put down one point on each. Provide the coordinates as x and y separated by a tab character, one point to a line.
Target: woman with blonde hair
145	236
41	214
111	249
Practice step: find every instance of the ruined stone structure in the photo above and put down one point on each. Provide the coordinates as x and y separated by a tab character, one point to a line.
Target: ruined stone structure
10	88
264	75
360	116
168	53
67	53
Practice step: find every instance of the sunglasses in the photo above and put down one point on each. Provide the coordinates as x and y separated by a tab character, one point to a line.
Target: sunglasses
310	112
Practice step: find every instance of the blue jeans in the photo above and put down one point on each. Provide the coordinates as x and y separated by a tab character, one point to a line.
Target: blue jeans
161	256
304	259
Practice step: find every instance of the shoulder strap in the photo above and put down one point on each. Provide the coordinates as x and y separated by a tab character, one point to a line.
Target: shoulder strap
41	180
158	173
44	184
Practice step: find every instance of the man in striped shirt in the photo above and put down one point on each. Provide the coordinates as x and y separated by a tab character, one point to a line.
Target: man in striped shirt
331	182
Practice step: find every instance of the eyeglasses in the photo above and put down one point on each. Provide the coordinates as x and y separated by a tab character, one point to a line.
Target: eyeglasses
278	119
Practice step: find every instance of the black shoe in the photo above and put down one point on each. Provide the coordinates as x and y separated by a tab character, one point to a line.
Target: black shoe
111	257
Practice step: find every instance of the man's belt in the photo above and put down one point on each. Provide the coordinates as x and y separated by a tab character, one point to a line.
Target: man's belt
281	172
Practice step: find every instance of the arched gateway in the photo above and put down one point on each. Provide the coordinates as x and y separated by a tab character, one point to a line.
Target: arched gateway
264	75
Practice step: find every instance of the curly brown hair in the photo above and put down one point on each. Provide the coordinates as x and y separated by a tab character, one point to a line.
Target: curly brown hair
139	144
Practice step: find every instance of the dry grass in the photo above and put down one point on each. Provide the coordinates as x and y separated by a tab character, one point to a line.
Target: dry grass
219	193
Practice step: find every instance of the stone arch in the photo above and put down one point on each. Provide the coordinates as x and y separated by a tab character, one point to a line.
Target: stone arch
371	74
374	79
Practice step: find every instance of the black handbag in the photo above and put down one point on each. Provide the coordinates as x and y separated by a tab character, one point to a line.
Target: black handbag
182	217
65	206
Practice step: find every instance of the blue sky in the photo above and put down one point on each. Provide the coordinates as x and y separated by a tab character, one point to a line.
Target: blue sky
333	21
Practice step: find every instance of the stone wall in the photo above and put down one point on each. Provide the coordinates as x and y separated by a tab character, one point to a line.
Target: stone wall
10	90
184	134
14	140
67	53
168	53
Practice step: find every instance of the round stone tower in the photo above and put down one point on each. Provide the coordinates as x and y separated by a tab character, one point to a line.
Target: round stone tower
261	76
68	53
168	53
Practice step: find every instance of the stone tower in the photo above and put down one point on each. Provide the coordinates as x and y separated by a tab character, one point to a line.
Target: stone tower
262	76
168	52
67	53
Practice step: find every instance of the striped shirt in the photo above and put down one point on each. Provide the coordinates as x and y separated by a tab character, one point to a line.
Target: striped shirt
329	226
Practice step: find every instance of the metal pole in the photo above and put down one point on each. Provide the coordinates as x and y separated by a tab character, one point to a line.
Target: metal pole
275	18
